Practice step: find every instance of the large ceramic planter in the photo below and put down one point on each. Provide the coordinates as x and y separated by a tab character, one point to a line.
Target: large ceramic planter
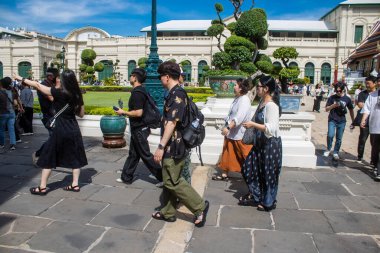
223	86
290	103
113	128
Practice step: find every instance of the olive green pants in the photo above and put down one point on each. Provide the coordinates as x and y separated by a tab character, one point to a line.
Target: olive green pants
175	186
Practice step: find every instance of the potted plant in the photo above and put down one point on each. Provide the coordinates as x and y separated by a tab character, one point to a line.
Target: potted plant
240	55
113	129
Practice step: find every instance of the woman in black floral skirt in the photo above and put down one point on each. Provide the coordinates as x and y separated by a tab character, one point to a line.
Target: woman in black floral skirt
262	166
64	147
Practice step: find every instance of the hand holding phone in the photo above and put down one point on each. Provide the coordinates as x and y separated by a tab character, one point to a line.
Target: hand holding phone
115	108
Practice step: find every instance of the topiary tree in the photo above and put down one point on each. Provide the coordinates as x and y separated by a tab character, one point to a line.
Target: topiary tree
241	50
286	73
87	68
142	62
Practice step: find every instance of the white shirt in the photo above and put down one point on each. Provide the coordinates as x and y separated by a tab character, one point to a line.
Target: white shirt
271	120
372	107
240	112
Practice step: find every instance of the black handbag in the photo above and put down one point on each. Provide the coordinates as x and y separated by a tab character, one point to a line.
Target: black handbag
50	124
250	133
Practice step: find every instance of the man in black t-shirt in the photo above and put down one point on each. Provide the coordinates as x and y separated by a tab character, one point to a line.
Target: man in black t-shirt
139	146
370	83
337	105
172	152
46	105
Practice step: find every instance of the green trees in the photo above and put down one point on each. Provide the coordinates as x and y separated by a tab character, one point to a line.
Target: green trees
285	54
87	68
242	48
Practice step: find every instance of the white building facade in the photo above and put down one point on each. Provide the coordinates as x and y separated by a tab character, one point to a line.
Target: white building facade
322	44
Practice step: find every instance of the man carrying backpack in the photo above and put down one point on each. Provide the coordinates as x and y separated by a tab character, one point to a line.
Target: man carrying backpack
139	146
172	151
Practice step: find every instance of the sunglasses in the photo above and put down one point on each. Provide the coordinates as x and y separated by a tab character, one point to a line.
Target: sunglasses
339	91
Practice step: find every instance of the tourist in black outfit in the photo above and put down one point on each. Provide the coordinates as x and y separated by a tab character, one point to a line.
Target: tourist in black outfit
64	148
139	146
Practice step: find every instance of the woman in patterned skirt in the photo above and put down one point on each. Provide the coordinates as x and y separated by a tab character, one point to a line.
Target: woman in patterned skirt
262	167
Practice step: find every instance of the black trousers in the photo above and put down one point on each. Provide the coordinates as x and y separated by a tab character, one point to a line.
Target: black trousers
26	120
139	148
317	103
375	141
363	136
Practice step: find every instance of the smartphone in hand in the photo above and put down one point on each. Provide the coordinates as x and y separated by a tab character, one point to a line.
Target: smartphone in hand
115	108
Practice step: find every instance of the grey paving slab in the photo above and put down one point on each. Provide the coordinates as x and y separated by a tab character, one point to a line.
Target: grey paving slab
15	239
10	250
4	196
217	184
345	244
285	200
149	198
7	182
74	210
65	237
220	240
354	222
283	242
218	196
124	217
117	240
23	186
110	157
326	188
293	187
244	217
154	226
6	221
332	177
301	221
17	170
297	176
212	215
86	191
359	177
27	204
107	178
116	195
360	204
364	189
319	202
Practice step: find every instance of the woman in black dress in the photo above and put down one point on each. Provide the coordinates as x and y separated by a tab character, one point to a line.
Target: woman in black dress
64	147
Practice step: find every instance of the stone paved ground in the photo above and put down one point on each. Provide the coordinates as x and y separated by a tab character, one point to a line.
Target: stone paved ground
334	208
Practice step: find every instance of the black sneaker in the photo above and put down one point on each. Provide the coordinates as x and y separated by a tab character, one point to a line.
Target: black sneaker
13	147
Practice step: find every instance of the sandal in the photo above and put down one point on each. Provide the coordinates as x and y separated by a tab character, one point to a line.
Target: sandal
41	191
159	216
202	217
263	208
72	188
219	178
247	200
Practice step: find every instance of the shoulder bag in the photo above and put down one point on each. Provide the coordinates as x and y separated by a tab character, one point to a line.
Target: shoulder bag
50	124
250	133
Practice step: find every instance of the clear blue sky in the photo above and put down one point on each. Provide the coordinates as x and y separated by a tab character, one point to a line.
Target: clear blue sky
127	17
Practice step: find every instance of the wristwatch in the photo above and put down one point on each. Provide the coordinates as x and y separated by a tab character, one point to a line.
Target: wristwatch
160	146
228	128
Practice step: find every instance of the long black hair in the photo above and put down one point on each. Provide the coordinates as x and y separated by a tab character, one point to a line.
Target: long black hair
70	87
269	82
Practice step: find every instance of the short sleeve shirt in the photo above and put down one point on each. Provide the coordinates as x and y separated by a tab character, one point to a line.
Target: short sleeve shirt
174	110
337	114
60	100
362	97
136	102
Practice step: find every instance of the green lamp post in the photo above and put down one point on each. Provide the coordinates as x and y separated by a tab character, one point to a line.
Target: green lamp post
63	51
153	83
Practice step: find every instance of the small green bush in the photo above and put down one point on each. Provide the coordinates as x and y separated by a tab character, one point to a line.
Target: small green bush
106	88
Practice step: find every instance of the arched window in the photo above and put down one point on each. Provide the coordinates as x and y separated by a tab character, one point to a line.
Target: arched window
201	64
277	64
186	68
44	70
107	71
309	71
326	73
131	67
24	69
293	64
1	69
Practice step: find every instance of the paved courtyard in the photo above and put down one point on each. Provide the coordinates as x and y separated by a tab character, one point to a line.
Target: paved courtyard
333	208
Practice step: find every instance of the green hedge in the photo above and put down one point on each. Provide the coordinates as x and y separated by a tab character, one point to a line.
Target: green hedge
206	90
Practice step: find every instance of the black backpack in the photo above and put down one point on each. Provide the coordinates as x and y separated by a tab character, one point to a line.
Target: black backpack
151	114
193	131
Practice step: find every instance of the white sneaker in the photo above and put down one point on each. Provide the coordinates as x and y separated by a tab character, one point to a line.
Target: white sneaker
377	177
119	180
26	134
336	156
160	184
19	141
2	146
326	153
119	171
13	147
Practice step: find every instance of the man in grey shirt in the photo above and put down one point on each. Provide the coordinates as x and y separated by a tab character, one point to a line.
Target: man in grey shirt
372	109
27	100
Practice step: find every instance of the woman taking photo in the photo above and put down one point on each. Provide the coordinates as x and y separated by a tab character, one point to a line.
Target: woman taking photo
64	147
262	167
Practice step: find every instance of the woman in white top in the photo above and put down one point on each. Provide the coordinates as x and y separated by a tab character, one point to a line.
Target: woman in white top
234	150
262	167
